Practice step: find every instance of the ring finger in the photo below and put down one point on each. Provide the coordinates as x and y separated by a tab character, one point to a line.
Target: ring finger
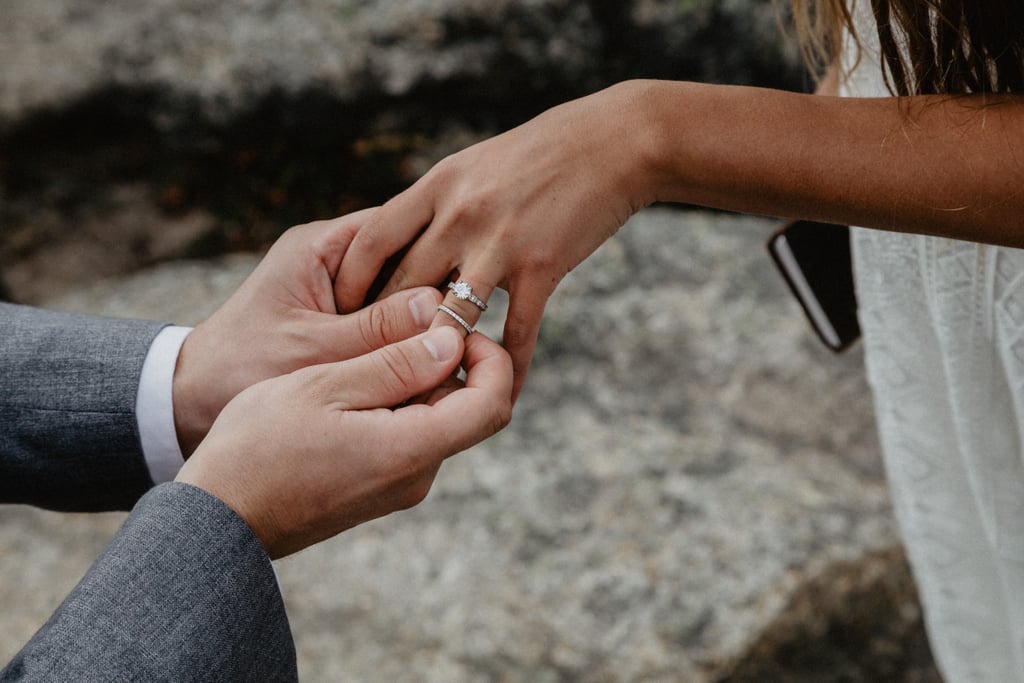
464	302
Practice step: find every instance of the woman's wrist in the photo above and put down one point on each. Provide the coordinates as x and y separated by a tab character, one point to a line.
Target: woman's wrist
662	116
724	147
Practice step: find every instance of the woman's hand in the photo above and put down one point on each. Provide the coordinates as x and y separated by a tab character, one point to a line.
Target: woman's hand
521	210
305	456
518	211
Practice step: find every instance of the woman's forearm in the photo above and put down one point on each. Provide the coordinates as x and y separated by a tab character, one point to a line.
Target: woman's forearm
521	210
935	164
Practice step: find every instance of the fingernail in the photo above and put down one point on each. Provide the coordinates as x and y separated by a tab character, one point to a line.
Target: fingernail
423	307
442	343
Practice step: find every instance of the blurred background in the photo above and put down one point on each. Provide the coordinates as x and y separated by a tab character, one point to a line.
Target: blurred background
690	489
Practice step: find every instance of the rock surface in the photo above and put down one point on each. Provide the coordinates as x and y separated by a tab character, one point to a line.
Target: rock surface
226	56
235	120
690	490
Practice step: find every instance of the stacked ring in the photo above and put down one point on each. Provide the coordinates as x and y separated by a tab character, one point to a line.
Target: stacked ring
456	317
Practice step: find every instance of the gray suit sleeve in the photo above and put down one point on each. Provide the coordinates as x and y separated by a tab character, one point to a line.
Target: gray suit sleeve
184	592
68	431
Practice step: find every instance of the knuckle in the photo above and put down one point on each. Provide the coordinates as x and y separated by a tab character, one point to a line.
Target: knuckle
463	211
409	477
445	170
501	416
538	263
415	493
295	236
399	370
374	327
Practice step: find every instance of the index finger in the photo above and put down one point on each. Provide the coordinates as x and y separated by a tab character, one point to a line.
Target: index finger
335	235
385	233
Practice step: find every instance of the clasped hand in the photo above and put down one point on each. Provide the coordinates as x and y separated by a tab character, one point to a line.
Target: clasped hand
305	441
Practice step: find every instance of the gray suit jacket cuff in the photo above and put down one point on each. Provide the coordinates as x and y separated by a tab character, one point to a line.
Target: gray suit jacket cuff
184	592
68	431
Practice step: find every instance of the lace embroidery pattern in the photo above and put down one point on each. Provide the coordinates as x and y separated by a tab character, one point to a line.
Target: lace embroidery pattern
943	325
949	433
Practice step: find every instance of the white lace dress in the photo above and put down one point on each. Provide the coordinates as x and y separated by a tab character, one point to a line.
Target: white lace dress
943	329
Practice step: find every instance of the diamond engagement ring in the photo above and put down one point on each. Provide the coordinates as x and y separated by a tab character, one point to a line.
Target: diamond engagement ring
456	317
464	291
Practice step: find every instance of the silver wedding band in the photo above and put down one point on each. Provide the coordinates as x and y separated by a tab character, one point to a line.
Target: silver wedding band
464	291
456	317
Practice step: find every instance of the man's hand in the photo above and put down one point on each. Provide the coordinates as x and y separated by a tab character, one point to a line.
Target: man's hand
284	318
305	456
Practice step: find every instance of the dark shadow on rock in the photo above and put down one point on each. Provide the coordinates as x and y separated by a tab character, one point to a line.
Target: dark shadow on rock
851	624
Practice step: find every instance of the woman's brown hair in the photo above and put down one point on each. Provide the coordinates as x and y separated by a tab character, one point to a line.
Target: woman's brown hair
951	46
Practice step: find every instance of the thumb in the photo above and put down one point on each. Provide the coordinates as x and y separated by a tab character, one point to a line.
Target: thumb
396	373
396	318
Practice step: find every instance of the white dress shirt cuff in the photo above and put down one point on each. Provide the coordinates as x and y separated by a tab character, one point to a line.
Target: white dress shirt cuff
154	407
